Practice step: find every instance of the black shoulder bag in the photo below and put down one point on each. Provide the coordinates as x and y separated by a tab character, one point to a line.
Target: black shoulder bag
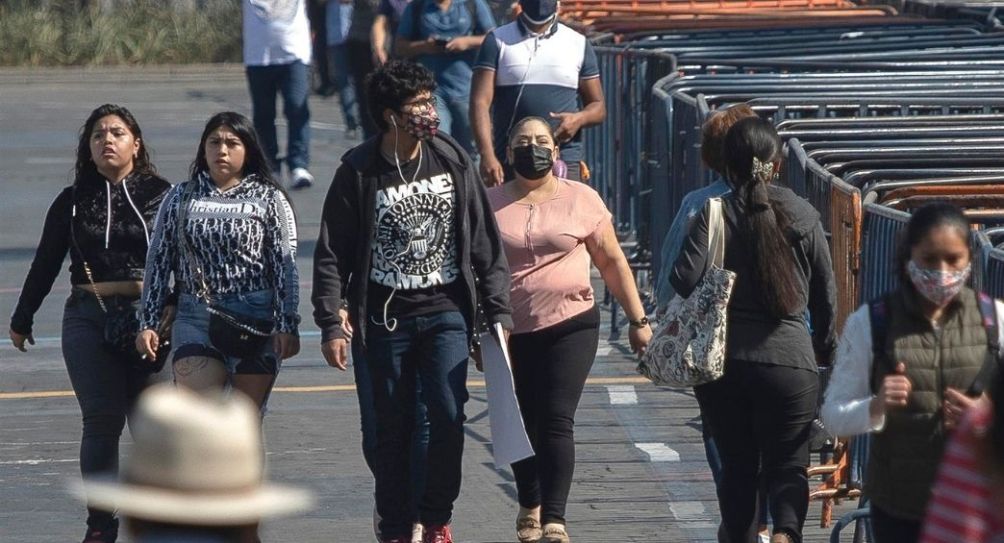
121	322
231	333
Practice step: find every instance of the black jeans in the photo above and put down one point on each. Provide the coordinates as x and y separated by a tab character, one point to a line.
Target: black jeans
760	416
550	367
360	65
434	350
889	529
105	385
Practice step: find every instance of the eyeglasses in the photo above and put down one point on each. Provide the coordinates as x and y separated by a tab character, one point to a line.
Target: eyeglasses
422	103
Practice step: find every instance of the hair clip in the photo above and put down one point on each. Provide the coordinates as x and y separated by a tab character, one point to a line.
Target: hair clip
763	170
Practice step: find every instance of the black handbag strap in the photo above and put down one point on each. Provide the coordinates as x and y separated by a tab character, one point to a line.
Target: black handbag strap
187	254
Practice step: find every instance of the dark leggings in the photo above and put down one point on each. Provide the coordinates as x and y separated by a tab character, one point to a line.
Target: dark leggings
550	367
105	385
890	529
760	416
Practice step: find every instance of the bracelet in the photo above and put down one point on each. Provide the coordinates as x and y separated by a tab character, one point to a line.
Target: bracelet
640	323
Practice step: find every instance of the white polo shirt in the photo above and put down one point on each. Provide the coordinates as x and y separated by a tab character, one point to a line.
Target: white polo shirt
547	66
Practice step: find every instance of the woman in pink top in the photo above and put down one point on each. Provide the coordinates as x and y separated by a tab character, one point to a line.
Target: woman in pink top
552	230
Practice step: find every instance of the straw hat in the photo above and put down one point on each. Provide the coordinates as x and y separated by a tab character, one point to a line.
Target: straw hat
196	460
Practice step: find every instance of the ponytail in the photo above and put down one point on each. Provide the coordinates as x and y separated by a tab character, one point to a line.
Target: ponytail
752	146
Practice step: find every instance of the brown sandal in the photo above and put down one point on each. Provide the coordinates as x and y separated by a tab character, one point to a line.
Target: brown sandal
528	530
554	533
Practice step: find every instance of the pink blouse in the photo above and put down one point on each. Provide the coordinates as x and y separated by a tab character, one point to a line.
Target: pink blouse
546	249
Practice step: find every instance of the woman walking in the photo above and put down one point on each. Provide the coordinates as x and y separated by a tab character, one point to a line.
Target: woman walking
552	230
228	236
909	367
761	410
103	221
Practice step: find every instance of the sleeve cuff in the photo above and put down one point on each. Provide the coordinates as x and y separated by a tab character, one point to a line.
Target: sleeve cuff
20	326
504	319
332	332
289	324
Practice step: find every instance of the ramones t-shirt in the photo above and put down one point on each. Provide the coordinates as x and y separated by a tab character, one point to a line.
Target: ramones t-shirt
414	249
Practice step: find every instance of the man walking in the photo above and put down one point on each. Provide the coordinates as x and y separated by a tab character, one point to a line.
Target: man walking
409	243
277	60
534	67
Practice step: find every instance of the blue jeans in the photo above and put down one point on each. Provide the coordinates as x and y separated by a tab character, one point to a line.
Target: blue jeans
292	81
431	350
367	414
106	387
346	89
190	333
455	120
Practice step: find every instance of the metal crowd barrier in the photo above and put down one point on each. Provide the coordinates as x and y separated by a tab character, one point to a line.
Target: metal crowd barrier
880	114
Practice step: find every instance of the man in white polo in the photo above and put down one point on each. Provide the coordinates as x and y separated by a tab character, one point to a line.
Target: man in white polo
534	66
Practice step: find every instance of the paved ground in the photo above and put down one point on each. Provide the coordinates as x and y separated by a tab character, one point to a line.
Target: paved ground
641	473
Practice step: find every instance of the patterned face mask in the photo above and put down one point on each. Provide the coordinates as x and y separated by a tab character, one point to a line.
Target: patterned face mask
421	119
940	287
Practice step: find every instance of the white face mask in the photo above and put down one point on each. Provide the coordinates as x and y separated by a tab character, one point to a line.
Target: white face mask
938	286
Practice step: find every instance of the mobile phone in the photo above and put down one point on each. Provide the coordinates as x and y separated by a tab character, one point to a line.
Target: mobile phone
441	41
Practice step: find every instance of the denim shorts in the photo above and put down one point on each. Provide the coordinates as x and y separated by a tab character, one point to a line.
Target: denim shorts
190	334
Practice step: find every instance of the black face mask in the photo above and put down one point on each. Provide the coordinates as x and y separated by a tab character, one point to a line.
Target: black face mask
532	161
538	12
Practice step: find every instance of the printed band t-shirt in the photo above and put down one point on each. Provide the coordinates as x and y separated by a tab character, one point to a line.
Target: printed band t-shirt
414	248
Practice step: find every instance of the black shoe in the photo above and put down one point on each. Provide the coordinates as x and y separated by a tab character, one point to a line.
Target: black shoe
105	534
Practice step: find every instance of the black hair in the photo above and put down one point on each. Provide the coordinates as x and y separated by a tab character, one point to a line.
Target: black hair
530	119
921	223
764	227
85	164
255	162
393	84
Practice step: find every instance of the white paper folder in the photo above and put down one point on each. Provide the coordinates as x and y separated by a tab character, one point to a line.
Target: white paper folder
509	441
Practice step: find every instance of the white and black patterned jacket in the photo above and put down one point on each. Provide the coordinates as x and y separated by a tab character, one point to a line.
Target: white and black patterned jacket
244	239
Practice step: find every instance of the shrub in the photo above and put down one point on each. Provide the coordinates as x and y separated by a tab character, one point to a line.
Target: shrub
61	33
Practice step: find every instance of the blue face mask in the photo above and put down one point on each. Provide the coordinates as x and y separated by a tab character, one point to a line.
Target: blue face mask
538	12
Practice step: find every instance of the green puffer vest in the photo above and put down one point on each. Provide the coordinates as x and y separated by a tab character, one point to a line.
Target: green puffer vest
904	456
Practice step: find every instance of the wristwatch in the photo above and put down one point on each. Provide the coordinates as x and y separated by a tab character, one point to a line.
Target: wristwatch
640	323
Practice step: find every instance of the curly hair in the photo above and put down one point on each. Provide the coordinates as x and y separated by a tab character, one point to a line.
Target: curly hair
393	84
85	166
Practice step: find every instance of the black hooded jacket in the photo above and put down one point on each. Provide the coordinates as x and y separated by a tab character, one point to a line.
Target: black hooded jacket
754	334
343	253
111	225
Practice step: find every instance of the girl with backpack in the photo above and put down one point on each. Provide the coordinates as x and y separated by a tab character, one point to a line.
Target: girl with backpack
910	365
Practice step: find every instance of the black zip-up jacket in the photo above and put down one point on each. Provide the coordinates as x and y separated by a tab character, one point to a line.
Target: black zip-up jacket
344	246
754	334
112	226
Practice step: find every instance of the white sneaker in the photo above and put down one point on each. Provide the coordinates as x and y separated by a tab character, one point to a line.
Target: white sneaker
417	532
301	178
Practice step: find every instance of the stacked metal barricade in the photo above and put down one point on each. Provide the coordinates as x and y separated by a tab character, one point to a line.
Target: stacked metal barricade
883	109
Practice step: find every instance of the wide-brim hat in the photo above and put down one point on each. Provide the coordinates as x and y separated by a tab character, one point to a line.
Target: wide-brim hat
173	507
196	460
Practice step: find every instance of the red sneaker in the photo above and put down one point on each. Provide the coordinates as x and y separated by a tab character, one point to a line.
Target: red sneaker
438	534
